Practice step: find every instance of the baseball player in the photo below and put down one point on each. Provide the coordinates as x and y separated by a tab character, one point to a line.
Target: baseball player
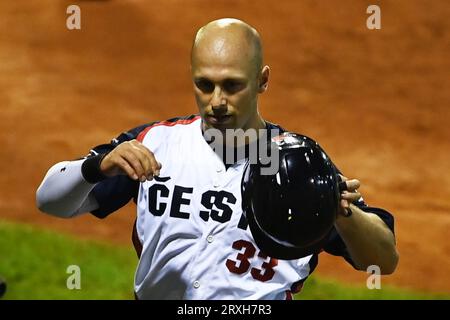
190	234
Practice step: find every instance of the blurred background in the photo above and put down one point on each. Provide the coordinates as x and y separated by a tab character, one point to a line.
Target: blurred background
376	100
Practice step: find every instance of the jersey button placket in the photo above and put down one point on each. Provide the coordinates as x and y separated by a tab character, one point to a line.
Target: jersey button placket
218	175
196	284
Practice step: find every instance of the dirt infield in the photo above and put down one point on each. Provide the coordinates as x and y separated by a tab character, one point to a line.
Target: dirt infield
377	101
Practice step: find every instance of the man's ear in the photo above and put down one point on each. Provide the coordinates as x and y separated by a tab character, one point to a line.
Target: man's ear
264	79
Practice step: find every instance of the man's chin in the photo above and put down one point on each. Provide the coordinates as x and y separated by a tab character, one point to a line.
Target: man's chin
220	126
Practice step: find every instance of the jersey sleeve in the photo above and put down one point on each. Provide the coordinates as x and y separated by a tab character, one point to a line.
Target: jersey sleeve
115	192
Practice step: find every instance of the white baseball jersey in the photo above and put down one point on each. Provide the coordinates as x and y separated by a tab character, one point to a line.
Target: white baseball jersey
191	235
188	223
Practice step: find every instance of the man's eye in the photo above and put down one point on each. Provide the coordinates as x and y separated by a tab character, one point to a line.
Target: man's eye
204	85
232	86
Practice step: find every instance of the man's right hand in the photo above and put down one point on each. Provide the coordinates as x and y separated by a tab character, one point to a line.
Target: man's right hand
133	159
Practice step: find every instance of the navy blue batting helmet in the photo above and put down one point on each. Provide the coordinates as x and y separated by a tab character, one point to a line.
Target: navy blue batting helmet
291	212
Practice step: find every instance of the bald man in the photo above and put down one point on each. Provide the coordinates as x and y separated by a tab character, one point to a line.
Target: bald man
190	234
226	64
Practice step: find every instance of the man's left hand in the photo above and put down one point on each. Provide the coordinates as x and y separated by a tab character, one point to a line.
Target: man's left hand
349	195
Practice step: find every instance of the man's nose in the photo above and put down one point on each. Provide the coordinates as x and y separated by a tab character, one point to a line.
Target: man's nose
218	101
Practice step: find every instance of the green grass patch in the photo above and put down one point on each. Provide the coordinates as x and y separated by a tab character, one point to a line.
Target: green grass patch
34	262
319	288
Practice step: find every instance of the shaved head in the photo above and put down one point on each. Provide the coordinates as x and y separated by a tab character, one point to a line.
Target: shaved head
228	40
228	75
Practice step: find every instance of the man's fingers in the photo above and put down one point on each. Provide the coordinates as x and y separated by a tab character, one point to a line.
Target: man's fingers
142	154
126	168
146	162
134	161
152	165
349	193
350	196
155	167
353	184
349	185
